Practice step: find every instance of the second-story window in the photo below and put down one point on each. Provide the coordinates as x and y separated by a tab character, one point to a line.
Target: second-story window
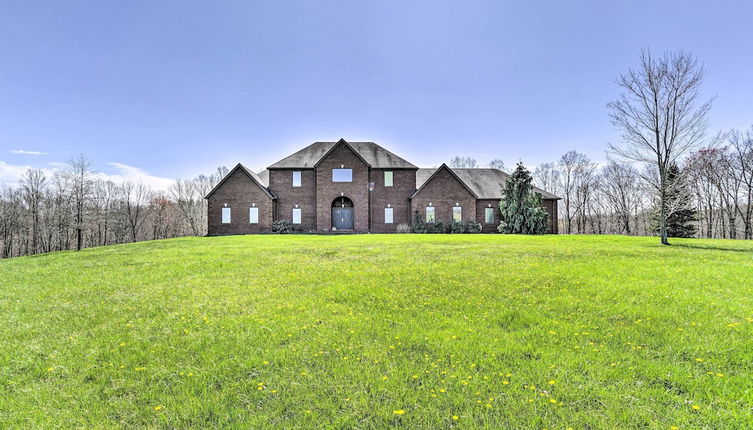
388	178
342	175
296	179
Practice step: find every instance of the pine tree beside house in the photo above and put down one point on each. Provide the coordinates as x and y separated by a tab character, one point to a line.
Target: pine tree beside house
520	207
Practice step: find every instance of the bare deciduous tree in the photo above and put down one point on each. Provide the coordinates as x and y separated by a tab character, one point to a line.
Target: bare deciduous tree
80	173
498	164
463	162
621	189
32	187
660	117
135	197
575	175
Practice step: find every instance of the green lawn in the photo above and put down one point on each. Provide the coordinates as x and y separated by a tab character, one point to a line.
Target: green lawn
374	331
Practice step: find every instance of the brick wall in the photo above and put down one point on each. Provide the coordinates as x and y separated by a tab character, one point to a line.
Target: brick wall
551	207
397	196
288	196
443	191
239	192
481	206
327	191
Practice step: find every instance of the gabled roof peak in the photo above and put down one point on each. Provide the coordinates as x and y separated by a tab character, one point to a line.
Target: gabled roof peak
374	155
254	177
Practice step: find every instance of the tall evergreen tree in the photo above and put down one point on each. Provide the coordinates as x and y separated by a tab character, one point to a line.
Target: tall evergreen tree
681	221
521	209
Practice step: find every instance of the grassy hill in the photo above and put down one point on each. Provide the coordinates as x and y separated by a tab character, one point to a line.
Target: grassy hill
371	331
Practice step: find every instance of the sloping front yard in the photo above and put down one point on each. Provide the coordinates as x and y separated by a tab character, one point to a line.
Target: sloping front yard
372	331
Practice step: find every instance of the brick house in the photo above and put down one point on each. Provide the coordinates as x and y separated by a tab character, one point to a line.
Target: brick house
355	187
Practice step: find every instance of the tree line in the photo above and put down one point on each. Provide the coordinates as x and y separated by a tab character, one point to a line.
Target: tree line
710	192
665	176
75	207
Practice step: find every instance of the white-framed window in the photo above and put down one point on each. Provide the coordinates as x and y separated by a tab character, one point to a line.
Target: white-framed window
296	179
342	175
226	215
253	215
489	215
296	215
430	214
388	215
457	214
388	178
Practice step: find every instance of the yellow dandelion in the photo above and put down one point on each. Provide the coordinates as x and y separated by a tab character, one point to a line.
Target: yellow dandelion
455	417
552	382
398	411
157	408
50	369
696	407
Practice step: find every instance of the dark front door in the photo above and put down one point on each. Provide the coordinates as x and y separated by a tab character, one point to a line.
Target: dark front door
342	218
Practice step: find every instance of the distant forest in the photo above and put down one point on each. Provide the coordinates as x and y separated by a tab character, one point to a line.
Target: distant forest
713	187
74	208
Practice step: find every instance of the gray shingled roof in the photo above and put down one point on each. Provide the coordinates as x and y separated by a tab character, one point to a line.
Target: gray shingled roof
485	183
372	153
264	176
262	184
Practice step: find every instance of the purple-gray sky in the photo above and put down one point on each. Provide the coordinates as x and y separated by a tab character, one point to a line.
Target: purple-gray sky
164	89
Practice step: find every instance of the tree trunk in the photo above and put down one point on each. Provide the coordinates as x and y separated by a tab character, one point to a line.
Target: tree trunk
663	214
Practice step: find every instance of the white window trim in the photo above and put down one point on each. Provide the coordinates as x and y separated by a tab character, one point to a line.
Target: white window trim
251	211
460	213
342	168
486	219
392	215
226	220
392	178
300	215
300	178
433	214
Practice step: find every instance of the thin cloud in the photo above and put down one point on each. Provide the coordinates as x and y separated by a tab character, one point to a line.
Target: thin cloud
137	175
25	152
10	174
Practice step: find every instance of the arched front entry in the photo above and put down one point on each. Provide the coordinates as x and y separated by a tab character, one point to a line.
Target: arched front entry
342	214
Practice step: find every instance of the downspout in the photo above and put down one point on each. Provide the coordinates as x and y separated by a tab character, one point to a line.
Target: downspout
370	190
